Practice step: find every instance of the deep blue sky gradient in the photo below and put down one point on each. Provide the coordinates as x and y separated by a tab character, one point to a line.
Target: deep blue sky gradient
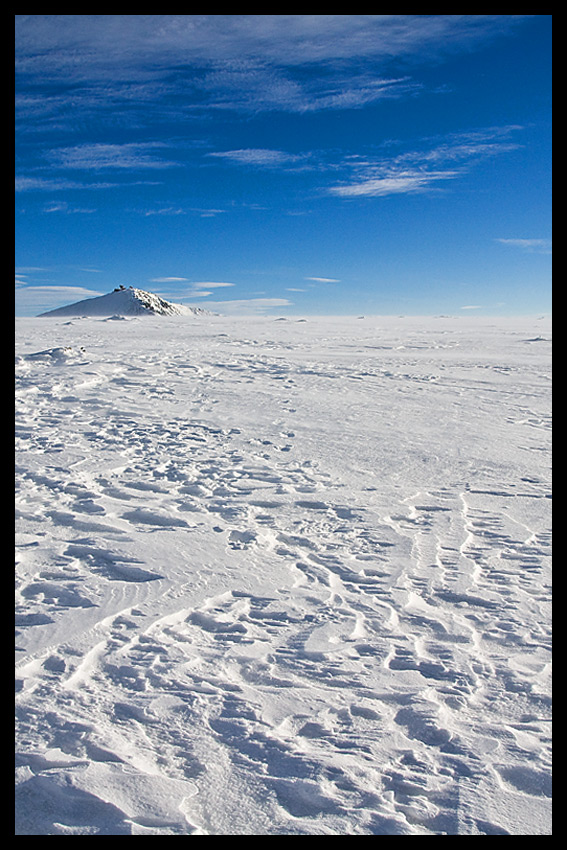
286	164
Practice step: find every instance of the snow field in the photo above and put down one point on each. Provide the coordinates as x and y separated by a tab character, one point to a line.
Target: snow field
283	577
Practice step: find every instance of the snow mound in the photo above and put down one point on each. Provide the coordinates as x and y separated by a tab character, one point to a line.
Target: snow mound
60	355
126	302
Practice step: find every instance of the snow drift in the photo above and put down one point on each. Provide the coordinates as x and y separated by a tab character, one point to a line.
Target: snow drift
283	578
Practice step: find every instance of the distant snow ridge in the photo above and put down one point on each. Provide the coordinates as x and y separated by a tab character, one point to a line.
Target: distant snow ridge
126	302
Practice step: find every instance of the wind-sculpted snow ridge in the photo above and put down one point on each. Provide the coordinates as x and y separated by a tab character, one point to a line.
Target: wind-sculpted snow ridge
283	578
126	302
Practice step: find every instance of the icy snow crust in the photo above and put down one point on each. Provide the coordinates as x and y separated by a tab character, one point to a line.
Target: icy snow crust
126	302
283	577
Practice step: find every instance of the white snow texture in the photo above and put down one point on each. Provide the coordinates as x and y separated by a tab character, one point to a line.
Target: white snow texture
283	577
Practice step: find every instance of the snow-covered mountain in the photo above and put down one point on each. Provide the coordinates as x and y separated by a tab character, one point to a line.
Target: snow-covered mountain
126	302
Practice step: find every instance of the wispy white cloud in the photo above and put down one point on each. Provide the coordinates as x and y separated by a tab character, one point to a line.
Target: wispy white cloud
186	290
260	157
532	246
163	211
59	184
425	167
100	156
168	279
63	290
67	208
248	307
259	87
133	63
395	183
41	298
176	210
207	213
323	279
29	269
421	169
52	184
211	284
100	44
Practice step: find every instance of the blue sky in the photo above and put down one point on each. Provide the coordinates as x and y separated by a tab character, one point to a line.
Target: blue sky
286	164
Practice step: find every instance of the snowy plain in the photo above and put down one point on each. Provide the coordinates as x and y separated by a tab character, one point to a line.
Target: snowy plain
285	577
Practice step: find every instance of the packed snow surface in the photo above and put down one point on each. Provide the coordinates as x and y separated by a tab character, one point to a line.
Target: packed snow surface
126	302
283	577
